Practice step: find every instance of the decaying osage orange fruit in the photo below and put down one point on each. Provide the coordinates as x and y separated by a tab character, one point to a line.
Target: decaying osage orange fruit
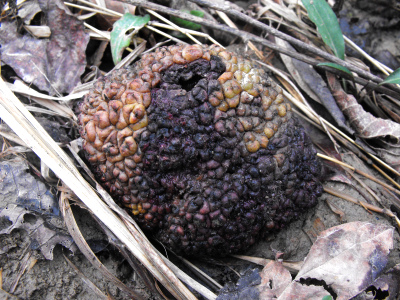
201	148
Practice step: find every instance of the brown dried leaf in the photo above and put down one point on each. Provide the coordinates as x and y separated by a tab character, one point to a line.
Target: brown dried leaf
43	237
274	279
296	290
390	153
26	203
313	84
390	282
347	258
366	125
55	64
28	10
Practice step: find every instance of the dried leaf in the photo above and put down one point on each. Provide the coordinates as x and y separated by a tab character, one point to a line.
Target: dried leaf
390	153
19	187
347	258
42	237
28	10
27	204
313	84
317	227
296	290
366	125
274	279
54	129
245	288
55	64
389	282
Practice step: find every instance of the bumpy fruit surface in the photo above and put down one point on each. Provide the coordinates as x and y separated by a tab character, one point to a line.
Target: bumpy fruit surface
200	146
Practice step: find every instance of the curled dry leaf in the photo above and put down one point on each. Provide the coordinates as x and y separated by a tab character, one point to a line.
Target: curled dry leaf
55	64
274	279
389	282
42	236
313	84
366	125
245	288
346	258
26	203
28	10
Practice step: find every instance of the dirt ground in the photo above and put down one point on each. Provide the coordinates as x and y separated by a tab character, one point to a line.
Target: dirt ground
56	279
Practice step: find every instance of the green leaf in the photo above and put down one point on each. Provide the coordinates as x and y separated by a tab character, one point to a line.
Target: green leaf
392	78
327	298
327	24
187	24
336	66
123	31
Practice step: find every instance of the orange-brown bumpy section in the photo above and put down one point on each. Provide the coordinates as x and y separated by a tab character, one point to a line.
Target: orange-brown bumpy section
201	148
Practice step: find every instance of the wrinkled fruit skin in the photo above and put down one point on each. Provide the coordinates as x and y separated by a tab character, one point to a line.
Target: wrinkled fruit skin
200	146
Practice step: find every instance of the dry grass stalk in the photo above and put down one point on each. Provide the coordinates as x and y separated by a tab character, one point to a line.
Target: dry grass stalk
13	112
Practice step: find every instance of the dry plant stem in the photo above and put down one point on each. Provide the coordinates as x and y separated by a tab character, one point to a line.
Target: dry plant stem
165	34
181	30
359	172
347	142
335	130
369	190
107	11
366	205
12	137
389	195
386	175
131	56
105	35
229	22
140	270
193	32
25	263
190	281
33	134
87	281
227	9
73	229
293	267
246	36
110	11
21	88
384	69
201	274
106	197
181	275
353	200
102	12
